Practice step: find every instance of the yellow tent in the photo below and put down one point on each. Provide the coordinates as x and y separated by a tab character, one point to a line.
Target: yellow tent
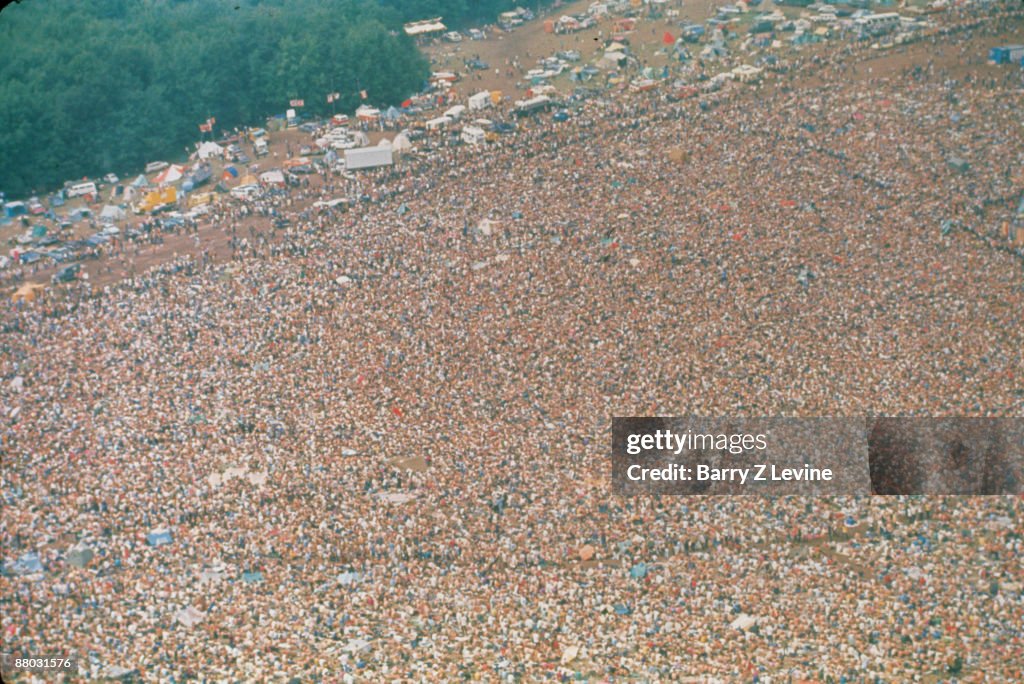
28	292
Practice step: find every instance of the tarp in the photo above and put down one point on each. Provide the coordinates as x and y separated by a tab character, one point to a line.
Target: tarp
159	537
80	555
252	577
28	292
190	616
347	578
27	564
743	621
171	174
638	571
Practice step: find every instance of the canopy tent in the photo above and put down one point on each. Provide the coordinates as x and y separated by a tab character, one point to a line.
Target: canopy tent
171	174
209	149
112	212
367	113
28	292
384	142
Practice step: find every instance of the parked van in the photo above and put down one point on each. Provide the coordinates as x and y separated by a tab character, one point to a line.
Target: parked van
261	147
153	167
80	189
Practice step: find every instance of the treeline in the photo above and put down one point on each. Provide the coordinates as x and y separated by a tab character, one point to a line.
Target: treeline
90	87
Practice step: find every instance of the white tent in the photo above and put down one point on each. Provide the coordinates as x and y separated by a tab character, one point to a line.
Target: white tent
401	143
171	174
112	212
210	149
384	142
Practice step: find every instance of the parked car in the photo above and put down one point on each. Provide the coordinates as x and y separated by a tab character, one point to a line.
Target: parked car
66	273
475	34
111	178
35	207
453	37
30	257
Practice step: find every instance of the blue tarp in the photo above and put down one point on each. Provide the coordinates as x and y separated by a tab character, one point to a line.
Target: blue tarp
622	609
28	564
252	577
638	571
159	537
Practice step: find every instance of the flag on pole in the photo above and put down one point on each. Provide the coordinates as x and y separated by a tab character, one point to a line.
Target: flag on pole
205	127
297	103
362	94
211	121
333	97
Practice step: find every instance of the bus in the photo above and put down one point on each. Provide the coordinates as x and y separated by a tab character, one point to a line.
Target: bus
877	24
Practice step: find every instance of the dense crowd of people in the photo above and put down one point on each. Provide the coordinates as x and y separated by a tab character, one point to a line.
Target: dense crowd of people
376	439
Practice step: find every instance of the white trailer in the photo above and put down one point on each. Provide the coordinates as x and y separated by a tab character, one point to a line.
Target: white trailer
368	158
481	100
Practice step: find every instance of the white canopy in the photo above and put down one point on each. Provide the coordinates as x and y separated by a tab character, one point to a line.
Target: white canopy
210	149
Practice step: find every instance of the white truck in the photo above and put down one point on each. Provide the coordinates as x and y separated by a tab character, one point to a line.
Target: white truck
368	158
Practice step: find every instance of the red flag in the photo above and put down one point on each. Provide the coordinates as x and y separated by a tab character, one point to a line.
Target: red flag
397	411
297	103
407	103
667	39
362	94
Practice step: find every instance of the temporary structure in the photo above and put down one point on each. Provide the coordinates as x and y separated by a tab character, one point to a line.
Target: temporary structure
172	173
209	149
401	143
28	292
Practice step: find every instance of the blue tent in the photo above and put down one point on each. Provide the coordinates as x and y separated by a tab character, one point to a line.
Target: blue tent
392	114
159	537
638	571
622	609
252	577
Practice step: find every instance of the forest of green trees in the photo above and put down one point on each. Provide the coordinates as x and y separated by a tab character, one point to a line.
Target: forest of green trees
93	86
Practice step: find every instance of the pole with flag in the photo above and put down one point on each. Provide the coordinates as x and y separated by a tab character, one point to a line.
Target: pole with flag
332	99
